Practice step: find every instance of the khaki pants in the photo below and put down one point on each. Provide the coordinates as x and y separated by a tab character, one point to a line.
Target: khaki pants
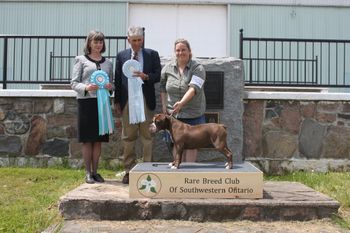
130	133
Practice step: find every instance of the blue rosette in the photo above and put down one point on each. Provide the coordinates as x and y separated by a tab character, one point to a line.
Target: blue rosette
105	117
100	78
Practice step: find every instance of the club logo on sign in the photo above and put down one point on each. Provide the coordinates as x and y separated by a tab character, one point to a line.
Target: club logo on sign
149	185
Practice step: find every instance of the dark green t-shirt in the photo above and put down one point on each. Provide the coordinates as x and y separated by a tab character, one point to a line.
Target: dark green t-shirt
176	85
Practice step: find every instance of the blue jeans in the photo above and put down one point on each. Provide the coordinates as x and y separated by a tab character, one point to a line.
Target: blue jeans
190	121
193	121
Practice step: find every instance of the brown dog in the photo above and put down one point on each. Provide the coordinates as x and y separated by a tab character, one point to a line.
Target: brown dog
185	136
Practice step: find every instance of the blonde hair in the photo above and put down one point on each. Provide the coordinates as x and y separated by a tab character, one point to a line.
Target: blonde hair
186	43
94	35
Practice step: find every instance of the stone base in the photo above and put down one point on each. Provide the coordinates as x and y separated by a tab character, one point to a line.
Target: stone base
281	201
195	180
48	86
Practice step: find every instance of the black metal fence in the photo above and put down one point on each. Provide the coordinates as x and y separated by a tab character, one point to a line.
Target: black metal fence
34	60
295	62
45	59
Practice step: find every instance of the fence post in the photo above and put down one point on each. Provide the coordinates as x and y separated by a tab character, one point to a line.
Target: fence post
241	43
4	73
51	73
316	70
143	44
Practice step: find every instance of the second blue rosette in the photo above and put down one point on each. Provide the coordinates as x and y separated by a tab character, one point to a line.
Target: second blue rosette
105	116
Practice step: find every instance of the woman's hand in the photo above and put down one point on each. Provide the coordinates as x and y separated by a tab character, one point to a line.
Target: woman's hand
185	99
177	107
109	86
91	87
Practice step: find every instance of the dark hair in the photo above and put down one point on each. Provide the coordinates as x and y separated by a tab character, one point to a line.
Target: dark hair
94	35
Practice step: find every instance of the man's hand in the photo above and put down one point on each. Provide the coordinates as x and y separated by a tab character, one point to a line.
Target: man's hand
142	75
118	123
118	110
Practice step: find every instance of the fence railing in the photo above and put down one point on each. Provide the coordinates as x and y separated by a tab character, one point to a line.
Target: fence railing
267	61
45	59
295	62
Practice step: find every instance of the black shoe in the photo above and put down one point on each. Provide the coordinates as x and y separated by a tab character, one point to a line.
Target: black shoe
89	179
126	179
98	178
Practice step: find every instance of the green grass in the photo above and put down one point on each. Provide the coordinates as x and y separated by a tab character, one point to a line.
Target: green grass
333	184
29	196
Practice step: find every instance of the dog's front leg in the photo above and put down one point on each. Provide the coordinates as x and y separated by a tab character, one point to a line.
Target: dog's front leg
228	154
178	157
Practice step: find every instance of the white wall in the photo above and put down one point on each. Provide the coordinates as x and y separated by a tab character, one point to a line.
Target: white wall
62	18
205	26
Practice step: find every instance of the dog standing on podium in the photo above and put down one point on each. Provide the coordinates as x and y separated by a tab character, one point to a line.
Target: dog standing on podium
185	136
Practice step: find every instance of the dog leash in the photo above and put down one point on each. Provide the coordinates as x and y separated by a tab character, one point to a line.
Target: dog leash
169	146
168	140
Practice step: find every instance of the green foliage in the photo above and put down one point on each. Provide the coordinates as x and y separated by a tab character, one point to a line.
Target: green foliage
105	164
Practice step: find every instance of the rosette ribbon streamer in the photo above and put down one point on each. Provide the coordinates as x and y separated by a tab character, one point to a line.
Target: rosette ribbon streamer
105	117
136	107
135	94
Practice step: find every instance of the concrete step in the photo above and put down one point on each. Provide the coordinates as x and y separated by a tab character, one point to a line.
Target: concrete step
281	201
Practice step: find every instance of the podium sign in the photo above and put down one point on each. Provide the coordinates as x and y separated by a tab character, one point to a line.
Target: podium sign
195	180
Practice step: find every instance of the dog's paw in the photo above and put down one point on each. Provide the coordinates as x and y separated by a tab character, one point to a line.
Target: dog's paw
228	165
171	164
173	167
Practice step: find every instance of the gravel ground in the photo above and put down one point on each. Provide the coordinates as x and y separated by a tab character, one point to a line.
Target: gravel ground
172	226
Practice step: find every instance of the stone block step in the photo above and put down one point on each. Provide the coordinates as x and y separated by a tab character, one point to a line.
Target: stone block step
281	201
